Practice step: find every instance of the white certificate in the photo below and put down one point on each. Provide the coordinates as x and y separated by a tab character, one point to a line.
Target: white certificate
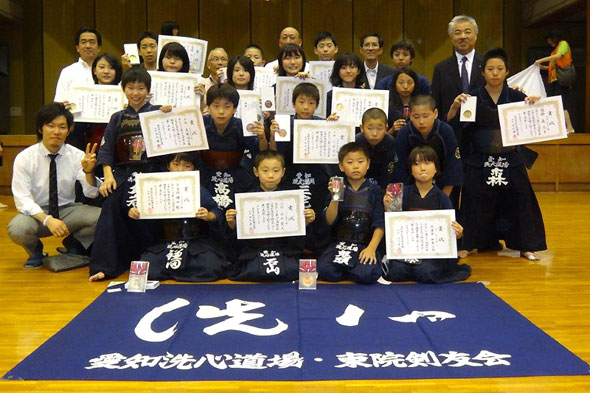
522	123
248	109
174	88
350	104
96	103
196	49
264	77
321	70
262	215
318	141
285	86
181	129
420	234
168	194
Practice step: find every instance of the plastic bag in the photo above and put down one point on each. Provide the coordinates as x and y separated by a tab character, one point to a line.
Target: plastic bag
530	81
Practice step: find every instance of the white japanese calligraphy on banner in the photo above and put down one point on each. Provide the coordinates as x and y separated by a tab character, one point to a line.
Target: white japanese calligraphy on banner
321	70
181	129
285	87
264	77
168	194
273	214
96	104
174	88
420	234
318	141
196	49
350	104
522	123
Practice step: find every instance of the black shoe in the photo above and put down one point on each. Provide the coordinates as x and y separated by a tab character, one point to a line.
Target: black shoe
35	261
69	251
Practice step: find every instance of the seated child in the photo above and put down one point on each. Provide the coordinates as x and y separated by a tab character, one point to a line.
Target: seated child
422	195
426	129
222	171
309	177
190	249
380	144
357	222
252	262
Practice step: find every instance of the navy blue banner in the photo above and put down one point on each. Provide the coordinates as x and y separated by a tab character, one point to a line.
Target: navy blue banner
276	332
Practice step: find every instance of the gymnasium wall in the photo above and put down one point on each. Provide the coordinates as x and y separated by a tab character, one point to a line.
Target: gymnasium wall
43	43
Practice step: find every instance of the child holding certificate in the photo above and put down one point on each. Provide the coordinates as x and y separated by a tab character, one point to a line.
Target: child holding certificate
498	200
309	177
426	129
348	71
191	248
173	58
223	172
292	61
122	155
355	214
274	259
380	144
422	195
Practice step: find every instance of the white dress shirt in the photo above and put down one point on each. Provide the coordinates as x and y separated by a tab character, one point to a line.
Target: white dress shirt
30	178
468	63
76	74
371	75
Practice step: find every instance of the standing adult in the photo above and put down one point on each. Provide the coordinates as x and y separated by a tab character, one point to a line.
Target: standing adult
461	72
561	57
371	49
88	43
289	35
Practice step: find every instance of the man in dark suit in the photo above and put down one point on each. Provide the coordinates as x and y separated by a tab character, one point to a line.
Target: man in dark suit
371	49
461	72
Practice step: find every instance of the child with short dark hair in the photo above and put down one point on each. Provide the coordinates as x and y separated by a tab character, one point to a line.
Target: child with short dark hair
308	177
223	170
123	155
348	71
251	261
292	61
357	222
173	58
241	73
379	144
422	195
426	129
325	46
190	249
256	54
403	53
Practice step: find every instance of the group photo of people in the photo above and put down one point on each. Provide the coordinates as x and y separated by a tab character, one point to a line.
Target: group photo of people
79	182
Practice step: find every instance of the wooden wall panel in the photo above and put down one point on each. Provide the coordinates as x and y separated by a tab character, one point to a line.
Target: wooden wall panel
61	20
545	168
425	24
122	26
512	26
385	17
334	16
489	16
183	12
33	64
226	24
269	17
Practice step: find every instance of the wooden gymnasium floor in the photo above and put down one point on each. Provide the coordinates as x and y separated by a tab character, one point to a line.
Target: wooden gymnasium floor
553	293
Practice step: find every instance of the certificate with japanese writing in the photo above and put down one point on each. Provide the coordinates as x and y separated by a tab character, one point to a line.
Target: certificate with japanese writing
321	70
350	104
522	123
181	129
174	88
196	49
262	215
168	194
264	77
249	109
318	141
285	86
420	234
96	103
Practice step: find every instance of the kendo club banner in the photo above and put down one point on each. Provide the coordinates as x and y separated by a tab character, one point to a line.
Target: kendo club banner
275	332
